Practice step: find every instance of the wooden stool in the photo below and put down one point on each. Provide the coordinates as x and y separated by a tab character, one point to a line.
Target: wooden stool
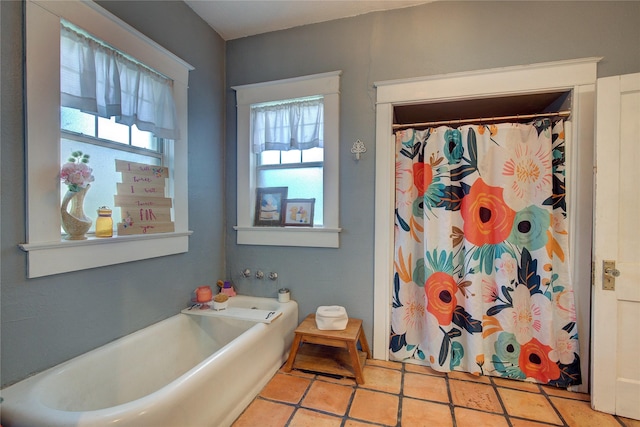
330	352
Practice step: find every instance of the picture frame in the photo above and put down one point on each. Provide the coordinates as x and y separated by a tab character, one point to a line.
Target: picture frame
298	212
269	204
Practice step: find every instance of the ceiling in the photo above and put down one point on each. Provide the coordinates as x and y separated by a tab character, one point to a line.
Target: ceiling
234	19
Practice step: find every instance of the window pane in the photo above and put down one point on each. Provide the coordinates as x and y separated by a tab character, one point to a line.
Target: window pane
75	120
143	139
103	188
271	157
303	183
109	129
291	156
313	155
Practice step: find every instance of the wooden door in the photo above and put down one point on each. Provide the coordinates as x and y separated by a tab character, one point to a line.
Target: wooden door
615	376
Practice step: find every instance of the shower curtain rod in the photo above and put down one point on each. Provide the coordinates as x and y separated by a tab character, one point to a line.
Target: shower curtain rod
565	113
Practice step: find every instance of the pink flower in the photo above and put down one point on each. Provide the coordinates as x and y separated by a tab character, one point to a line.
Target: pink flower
489	290
523	164
76	174
526	318
565	349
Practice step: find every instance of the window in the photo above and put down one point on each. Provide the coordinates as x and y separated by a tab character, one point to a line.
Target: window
273	151
299	170
104	96
286	160
105	141
54	131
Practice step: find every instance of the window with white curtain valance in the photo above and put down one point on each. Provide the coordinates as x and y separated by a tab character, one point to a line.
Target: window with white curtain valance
291	125
98	79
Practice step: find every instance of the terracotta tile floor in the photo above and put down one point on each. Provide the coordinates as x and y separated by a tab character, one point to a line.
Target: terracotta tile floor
400	394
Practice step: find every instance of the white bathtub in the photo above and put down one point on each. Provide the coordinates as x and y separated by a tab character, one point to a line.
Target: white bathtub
183	371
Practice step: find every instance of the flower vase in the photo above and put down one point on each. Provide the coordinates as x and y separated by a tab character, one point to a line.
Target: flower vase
74	221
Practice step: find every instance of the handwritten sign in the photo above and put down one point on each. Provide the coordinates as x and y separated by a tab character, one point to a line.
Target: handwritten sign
142	169
139	179
140	196
141	189
132	214
139	201
164	227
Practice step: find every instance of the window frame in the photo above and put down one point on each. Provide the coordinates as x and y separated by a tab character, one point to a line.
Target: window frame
47	253
327	85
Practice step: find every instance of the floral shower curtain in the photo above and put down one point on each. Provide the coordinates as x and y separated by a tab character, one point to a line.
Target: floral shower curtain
481	268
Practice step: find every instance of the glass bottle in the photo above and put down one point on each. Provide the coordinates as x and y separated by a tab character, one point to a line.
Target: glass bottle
104	223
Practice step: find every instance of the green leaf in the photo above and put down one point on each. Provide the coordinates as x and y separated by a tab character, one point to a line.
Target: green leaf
402	223
419	273
396	291
444	349
507	370
569	374
451	198
465	321
472	148
492	311
462	171
457	353
397	342
527	272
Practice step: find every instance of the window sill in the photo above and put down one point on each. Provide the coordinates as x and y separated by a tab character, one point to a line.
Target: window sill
48	258
314	237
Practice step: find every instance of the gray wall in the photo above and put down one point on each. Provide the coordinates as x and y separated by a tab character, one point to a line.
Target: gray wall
48	320
435	38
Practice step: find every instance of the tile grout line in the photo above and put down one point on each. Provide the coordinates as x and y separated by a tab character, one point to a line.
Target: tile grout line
454	422
297	406
346	417
317	377
544	393
507	416
400	396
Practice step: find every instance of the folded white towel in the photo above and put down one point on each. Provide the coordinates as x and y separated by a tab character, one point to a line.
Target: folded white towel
331	318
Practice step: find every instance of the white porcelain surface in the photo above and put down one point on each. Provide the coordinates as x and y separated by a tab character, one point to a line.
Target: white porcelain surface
185	370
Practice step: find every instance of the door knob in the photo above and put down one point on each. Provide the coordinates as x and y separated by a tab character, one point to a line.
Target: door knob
612	271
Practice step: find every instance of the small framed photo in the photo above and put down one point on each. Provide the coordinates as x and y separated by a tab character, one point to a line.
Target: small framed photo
269	203
298	212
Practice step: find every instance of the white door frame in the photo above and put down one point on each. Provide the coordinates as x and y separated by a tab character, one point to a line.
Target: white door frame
578	75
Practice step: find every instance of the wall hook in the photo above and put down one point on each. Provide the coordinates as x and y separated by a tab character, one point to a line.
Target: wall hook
358	148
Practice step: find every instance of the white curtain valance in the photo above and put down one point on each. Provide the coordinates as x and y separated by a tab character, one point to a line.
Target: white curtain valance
97	79
287	126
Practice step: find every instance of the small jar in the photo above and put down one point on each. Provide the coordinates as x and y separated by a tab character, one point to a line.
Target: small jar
204	294
104	223
284	295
